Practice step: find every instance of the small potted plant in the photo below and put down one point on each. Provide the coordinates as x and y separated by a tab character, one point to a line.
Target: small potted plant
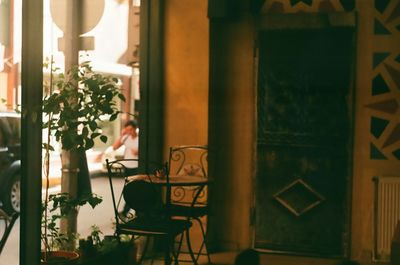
106	249
72	112
55	242
90	246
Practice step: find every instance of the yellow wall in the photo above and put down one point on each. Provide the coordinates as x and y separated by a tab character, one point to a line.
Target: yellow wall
186	72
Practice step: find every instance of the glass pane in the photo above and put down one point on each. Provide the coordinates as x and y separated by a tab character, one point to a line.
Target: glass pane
110	33
10	127
109	40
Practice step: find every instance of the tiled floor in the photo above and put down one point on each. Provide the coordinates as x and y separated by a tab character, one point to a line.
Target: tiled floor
228	258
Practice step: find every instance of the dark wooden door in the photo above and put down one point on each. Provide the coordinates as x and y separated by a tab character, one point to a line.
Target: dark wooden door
304	141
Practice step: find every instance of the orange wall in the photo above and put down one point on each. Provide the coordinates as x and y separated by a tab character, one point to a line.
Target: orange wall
186	72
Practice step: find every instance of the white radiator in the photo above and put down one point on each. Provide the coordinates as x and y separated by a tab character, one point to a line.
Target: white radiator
386	214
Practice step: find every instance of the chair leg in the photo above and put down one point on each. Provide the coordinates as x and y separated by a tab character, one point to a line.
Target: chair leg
189	245
144	251
177	252
167	253
203	243
195	256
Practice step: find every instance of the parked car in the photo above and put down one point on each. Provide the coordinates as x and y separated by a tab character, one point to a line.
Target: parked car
10	161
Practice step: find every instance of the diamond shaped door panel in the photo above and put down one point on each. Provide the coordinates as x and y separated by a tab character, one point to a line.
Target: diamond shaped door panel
298	197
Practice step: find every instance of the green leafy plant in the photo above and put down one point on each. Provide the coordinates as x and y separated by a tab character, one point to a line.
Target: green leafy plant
95	235
97	246
61	205
92	244
74	106
81	100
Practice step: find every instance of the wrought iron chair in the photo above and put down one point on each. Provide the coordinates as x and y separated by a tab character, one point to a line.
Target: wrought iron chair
150	217
7	224
190	202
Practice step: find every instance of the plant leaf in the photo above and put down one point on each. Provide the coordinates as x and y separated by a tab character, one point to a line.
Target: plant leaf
104	138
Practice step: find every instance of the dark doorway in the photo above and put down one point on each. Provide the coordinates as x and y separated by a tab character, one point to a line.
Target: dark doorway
304	141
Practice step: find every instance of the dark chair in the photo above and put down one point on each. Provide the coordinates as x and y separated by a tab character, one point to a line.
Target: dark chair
190	202
7	224
149	218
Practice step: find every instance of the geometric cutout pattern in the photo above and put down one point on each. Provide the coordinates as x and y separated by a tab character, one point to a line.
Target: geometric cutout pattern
395	13
378	125
381	5
379	86
380	29
393	137
394	74
389	106
396	153
295	2
375	153
378	57
298	197
348	5
326	6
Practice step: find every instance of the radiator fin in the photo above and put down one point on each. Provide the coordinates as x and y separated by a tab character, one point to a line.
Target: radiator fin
387	214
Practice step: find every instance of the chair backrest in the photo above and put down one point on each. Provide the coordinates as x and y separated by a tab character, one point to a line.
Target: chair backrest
6	226
142	194
189	160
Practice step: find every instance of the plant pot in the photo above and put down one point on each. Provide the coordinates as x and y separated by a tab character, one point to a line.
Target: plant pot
60	258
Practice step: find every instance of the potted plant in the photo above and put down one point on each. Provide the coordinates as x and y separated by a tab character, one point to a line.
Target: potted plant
73	110
106	249
56	242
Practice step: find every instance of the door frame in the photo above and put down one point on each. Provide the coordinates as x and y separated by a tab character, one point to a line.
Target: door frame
151	105
31	131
